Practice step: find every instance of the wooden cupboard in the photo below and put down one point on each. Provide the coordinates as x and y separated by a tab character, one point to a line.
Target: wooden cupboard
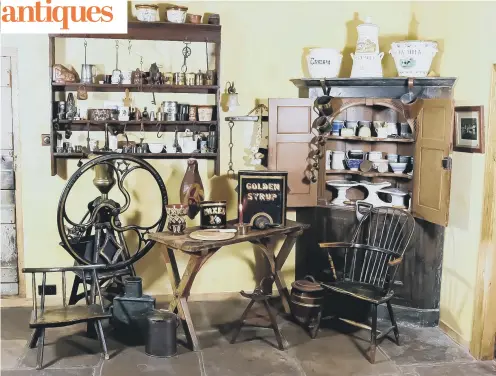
297	146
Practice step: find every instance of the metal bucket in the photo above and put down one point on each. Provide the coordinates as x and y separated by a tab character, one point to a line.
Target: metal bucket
161	341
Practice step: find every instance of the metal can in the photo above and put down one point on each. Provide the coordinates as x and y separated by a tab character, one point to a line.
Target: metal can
168	78
169	106
179	78
213	214
210	77
192	113
190	79
199	80
170	116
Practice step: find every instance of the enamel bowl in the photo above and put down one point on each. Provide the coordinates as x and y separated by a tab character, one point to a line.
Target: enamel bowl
155	147
398	168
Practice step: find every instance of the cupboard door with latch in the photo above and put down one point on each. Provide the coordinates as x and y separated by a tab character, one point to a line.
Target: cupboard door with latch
432	163
291	148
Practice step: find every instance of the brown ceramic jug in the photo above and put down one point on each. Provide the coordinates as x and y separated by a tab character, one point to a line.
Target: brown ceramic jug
191	192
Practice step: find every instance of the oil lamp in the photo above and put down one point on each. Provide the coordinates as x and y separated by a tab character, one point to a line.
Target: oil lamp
232	101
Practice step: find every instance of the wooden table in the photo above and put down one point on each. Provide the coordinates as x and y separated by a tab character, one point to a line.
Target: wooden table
200	251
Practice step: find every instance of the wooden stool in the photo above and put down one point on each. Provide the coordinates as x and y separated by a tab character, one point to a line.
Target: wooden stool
258	296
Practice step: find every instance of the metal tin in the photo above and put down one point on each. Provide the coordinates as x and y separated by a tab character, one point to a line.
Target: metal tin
210	77
168	78
263	194
161	338
190	78
213	214
179	78
192	113
169	106
199	79
171	116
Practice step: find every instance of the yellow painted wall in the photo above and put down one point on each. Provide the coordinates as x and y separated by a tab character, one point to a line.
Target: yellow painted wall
465	32
262	49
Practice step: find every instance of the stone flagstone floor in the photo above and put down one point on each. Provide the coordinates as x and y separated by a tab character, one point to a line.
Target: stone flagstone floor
68	352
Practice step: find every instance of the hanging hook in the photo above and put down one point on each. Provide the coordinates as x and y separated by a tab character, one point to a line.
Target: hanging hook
129	46
159	126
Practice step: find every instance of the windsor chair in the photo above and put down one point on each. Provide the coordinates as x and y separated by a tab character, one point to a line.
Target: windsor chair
365	267
92	312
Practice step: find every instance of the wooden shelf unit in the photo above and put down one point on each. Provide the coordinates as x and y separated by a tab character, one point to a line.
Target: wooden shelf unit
117	88
370	139
158	31
135	125
369	174
141	155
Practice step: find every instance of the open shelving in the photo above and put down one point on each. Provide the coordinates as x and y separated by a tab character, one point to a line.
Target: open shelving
157	31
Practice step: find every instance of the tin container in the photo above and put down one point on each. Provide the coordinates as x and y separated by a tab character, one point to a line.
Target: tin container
190	79
179	78
170	116
168	78
192	113
199	79
213	214
263	194
210	77
205	113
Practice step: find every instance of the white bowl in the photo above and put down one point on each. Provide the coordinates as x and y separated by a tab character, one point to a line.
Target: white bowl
176	14
147	12
155	147
413	58
398	168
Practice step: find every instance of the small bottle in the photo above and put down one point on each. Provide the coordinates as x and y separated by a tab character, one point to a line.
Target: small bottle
144	114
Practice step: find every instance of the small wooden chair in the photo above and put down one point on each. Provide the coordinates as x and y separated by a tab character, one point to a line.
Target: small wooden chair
365	270
259	296
66	315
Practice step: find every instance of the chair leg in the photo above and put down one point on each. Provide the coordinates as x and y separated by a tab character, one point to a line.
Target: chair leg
74	291
373	335
274	324
241	322
34	338
101	338
393	321
41	344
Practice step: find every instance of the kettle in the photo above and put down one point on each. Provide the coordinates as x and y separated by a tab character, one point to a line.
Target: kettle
88	73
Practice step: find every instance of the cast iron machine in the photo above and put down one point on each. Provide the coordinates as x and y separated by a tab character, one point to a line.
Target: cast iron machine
100	237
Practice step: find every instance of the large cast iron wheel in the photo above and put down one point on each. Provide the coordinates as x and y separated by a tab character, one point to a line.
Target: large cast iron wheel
71	232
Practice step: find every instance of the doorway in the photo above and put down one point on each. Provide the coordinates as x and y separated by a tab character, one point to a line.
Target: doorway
9	186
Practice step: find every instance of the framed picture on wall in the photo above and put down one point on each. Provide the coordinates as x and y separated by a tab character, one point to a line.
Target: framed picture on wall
469	129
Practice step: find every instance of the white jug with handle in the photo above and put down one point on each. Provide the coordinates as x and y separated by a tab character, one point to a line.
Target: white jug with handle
188	142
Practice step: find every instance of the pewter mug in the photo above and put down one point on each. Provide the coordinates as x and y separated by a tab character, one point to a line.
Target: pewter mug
88	73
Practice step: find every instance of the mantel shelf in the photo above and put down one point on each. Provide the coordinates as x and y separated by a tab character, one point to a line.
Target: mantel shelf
370	139
384	81
392	88
369	174
198	89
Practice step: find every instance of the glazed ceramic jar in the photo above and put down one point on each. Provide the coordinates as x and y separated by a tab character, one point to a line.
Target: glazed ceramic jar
176	14
324	62
147	12
368	38
367	65
413	58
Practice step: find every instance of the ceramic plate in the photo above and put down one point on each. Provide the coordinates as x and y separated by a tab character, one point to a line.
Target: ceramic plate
211	235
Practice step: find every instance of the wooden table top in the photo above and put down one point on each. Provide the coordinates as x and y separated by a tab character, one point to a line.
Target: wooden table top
186	244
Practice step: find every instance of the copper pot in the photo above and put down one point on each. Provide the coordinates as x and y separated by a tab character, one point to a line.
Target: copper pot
194	18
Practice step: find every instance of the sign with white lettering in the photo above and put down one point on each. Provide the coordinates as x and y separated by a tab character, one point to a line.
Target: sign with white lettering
263	193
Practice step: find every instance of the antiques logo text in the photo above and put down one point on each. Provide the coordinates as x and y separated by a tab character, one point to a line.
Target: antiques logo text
63	16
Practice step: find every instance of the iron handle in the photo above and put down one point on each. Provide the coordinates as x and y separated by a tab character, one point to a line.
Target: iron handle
447	163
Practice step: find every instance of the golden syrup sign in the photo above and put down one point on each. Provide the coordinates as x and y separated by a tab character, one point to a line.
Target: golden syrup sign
263	193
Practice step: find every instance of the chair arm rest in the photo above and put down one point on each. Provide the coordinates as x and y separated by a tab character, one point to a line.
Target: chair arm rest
336	245
65	269
362	247
395	261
